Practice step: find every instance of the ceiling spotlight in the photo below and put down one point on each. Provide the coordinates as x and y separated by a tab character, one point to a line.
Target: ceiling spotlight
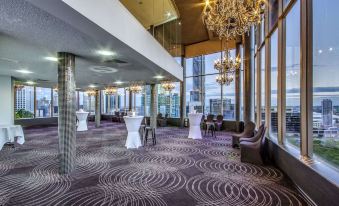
52	59
330	49
92	86
320	51
179	23
119	82
168	14
30	82
24	71
158	77
105	52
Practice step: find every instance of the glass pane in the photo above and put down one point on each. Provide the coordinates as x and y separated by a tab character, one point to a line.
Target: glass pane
262	82
194	94
55	108
229	101
169	102
24	103
325	80
209	63
81	100
241	85
212	98
189	67
293	76
273	12
43	102
285	3
262	28
256	86
274	84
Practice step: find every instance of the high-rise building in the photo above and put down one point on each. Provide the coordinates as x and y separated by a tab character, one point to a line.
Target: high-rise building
327	112
228	107
197	95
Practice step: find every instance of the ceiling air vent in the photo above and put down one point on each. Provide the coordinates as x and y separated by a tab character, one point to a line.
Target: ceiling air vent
118	62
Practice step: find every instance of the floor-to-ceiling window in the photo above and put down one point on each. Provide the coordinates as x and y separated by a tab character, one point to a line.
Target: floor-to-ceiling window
55	108
292	59
274	84
24	102
203	92
262	83
43	102
326	80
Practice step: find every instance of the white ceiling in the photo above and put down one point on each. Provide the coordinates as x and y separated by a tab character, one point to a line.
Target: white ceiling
28	34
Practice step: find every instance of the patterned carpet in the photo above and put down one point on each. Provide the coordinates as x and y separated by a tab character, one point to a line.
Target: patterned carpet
177	171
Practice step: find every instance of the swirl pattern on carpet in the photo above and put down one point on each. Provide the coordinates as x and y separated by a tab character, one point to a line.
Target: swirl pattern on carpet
177	171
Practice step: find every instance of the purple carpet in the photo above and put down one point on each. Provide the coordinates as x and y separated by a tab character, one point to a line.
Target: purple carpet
177	171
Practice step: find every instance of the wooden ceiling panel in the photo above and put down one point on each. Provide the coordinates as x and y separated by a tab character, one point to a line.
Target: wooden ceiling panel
193	29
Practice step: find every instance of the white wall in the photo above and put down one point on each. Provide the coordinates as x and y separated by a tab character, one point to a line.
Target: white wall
113	17
6	100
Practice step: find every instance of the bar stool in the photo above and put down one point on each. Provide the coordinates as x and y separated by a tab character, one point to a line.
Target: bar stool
146	132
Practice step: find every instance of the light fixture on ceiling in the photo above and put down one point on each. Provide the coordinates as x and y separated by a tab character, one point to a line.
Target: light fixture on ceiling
105	52
168	14
232	18
24	71
119	82
110	90
159	77
168	85
226	66
18	86
135	87
92	86
30	82
52	59
91	92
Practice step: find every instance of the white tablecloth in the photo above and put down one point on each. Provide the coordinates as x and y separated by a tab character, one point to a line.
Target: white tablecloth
133	137
195	120
8	132
82	124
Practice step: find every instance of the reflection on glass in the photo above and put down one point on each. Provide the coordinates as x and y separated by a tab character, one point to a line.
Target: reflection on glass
325	80
169	102
293	76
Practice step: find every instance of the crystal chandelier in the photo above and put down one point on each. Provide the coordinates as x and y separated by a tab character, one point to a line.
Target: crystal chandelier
168	85
110	90
18	87
91	92
226	66
135	88
232	18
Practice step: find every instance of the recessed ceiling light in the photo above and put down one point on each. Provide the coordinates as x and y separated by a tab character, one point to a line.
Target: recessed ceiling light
92	86
320	51
118	82
30	82
52	59
168	14
330	49
105	52
159	77
24	71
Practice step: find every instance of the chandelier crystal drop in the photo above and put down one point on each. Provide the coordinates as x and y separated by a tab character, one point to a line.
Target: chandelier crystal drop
111	90
168	85
232	18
